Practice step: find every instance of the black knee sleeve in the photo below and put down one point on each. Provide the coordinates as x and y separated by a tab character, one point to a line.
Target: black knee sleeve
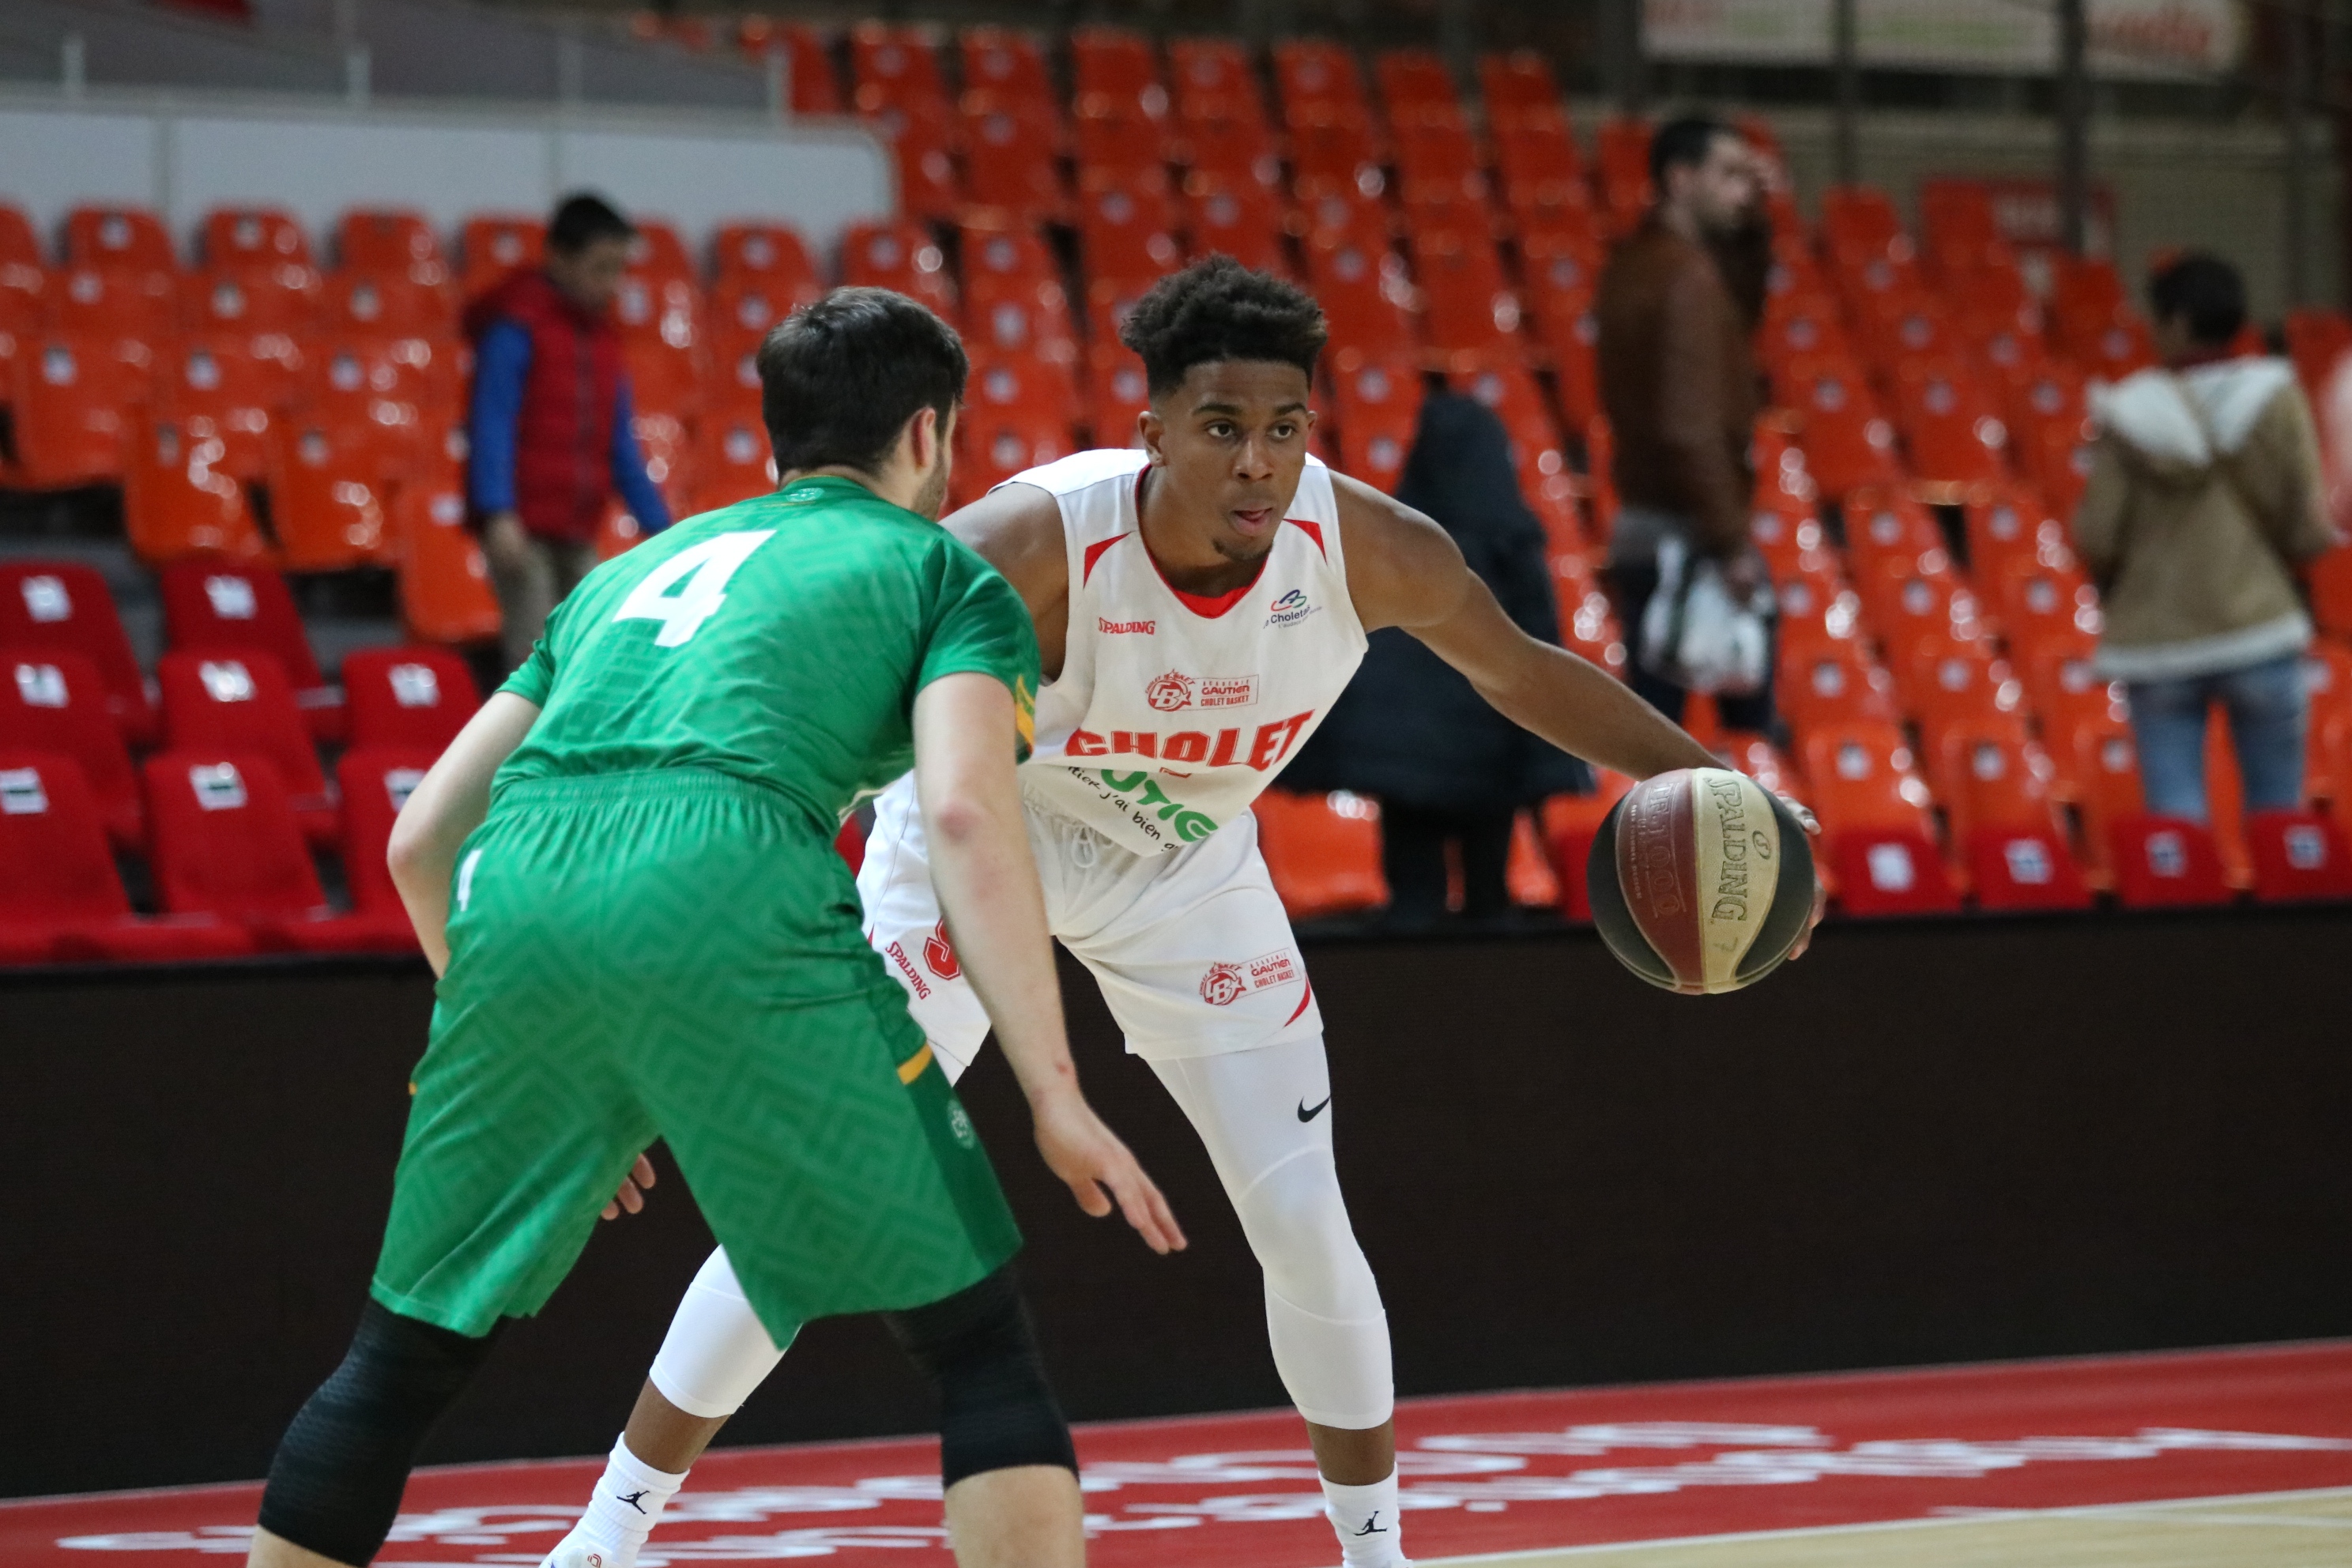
996	1409
334	1487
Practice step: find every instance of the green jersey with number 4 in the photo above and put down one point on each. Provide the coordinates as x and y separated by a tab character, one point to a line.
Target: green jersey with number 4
782	640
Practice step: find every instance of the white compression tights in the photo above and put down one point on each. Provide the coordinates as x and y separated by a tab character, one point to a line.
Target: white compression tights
1324	1319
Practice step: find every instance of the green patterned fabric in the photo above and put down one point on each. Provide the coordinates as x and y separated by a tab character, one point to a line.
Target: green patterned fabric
781	639
651	935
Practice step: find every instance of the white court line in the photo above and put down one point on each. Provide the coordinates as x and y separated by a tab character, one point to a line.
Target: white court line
1954	1516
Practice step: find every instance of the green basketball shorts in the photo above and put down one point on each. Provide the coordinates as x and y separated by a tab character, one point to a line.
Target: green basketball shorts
677	954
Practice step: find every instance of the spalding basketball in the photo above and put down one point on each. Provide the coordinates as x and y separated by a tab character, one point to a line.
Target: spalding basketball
1701	880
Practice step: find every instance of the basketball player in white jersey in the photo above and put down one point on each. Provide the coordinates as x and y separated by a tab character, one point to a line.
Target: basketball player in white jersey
1199	602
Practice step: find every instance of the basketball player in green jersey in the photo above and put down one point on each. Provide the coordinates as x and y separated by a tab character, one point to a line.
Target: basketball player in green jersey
622	872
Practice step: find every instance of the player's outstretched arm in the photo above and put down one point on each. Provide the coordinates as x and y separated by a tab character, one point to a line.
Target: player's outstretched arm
986	878
1405	570
448	804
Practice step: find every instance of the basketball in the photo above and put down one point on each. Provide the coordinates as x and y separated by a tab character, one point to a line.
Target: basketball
1701	880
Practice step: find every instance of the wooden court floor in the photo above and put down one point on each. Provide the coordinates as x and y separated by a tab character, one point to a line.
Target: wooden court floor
2276	1529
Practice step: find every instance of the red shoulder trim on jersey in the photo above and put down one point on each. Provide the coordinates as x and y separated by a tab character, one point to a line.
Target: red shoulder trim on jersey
1301	1009
1093	553
1313	530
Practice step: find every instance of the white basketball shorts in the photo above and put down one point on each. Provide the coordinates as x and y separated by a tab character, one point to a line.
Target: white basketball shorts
1192	950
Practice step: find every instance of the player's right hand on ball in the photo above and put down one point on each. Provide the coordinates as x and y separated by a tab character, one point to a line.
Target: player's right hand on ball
1099	1170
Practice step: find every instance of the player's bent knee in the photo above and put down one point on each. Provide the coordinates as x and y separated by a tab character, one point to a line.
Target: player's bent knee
716	1352
1297	1225
996	1410
334	1487
1337	1371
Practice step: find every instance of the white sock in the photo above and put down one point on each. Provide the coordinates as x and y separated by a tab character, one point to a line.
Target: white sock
627	1505
1366	1521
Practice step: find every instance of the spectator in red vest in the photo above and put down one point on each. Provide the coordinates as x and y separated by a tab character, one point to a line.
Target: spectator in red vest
551	442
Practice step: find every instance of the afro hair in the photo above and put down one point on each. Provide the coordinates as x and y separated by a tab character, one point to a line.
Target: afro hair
1219	310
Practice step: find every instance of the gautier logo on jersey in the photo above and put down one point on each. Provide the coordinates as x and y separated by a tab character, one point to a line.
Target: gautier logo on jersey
1226	983
1291	609
1172	691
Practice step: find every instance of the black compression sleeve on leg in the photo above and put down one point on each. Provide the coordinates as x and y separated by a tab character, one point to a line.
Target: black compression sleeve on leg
334	1487
996	1410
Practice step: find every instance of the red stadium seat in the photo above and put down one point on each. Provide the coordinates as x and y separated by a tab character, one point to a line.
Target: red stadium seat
53	700
1127	235
326	499
142	308
1113	67
1019	387
254	237
1015	162
1846	442
391	243
1333	158
770	252
1214	79
1240	218
808	63
1517	85
732	461
375	782
993	446
71	399
119	239
2297	856
57	605
494	246
2024	868
1002	66
1877	835
179	500
217	389
19	246
370	304
1236	151
1121	147
1955	437
898	255
227	845
893	65
445	584
412	697
2163	862
922	138
240	701
1826	686
1470	314
1323	851
61	901
214	606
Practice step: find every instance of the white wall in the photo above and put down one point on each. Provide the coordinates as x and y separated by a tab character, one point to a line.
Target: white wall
318	161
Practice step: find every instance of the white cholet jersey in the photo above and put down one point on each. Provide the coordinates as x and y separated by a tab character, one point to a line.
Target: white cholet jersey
1172	712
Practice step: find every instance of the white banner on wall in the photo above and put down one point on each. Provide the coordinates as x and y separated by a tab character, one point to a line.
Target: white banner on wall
2151	39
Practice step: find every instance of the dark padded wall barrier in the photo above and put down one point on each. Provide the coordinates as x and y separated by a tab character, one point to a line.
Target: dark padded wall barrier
1927	1142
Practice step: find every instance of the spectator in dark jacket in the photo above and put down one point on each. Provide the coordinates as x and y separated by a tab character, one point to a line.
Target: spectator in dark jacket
1410	728
548	430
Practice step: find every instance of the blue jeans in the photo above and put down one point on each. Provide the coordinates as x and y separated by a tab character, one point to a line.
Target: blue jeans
2266	705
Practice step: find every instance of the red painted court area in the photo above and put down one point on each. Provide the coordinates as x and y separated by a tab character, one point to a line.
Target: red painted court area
1485	1474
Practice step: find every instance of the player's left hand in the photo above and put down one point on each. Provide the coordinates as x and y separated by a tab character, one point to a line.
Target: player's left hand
634	1188
1812	826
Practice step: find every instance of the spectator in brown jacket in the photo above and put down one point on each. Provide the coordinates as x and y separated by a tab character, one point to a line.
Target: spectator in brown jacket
1679	380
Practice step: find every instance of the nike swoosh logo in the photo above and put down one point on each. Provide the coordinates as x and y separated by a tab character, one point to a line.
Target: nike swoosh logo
1307	1115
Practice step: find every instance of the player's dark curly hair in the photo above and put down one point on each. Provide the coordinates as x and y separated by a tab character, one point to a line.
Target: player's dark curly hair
1219	310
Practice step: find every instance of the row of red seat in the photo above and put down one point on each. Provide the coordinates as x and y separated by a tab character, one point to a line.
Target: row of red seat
232	872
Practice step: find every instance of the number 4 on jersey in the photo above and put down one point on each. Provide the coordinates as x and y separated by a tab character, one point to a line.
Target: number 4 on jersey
704	569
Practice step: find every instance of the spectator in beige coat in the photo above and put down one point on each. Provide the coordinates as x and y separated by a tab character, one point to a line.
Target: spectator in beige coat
2205	494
